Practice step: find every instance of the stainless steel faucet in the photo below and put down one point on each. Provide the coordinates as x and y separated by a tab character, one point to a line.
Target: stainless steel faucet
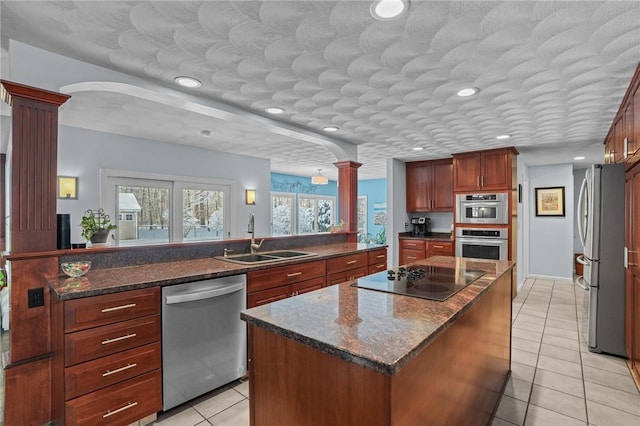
251	230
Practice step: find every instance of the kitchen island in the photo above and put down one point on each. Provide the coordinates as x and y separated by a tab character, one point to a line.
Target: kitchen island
353	356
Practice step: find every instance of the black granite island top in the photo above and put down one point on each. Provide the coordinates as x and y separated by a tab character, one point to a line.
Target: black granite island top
379	331
115	279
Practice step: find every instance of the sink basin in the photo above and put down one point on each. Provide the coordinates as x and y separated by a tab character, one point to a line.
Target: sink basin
266	257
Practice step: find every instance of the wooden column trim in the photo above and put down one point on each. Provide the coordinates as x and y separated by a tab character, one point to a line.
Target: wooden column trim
33	165
348	196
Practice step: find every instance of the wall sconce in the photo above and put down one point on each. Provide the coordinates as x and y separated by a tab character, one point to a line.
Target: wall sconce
68	187
319	179
250	196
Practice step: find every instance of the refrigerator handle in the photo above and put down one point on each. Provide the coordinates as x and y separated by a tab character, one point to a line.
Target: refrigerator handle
580	217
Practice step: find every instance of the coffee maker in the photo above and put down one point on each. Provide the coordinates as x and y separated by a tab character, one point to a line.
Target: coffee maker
421	226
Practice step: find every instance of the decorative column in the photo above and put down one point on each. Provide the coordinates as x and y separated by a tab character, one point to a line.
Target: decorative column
348	197
33	164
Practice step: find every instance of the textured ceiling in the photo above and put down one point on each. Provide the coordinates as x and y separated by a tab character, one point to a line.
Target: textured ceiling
551	74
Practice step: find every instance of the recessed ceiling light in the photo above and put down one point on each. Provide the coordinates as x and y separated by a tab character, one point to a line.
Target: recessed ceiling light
185	81
468	91
579	158
503	137
330	128
418	148
385	10
274	110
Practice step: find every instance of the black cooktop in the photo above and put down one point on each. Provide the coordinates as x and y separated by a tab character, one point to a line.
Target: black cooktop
427	282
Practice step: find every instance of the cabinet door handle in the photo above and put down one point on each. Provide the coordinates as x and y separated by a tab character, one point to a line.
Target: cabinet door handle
351	262
117	308
380	266
411	257
438	247
478	181
126	407
481	180
117	370
117	339
294	274
380	256
411	244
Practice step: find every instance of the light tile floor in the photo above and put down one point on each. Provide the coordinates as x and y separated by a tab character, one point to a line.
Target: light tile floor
555	380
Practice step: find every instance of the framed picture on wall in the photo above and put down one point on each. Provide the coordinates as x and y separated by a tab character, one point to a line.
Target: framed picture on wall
550	201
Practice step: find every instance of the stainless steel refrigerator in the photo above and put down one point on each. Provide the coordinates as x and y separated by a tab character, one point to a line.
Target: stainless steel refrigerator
600	216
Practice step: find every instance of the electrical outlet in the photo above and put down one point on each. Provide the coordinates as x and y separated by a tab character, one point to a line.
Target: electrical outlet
35	297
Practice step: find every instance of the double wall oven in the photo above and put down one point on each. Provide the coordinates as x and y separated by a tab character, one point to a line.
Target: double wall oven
473	237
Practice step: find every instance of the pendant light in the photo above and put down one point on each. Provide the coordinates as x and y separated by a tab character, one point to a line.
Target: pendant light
319	179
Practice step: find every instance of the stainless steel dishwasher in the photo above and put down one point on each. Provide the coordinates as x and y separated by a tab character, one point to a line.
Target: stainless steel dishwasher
204	341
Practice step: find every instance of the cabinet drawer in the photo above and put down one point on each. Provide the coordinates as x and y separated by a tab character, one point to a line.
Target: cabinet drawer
410	256
345	263
412	244
97	374
106	340
377	268
442	248
269	278
269	295
120	404
95	311
307	286
377	257
345	276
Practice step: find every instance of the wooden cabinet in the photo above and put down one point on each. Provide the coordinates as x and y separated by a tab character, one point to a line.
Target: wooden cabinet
632	275
490	170
430	186
347	268
412	250
270	285
439	248
377	260
107	358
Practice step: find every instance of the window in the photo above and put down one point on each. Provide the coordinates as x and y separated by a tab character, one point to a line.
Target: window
282	213
362	219
315	213
160	209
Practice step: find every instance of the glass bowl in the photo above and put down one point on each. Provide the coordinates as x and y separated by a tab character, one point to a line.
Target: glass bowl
76	269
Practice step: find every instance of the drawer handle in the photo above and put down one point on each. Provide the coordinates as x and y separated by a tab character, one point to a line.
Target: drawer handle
126	407
294	274
438	246
411	257
117	308
117	370
380	256
351	262
380	266
411	244
117	339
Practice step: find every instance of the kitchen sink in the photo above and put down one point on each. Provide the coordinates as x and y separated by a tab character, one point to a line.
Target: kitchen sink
266	257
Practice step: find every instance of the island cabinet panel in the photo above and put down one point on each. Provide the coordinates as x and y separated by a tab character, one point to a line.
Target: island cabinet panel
455	380
293	385
490	170
106	365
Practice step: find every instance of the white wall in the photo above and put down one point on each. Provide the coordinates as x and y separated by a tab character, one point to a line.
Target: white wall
396	207
84	152
550	243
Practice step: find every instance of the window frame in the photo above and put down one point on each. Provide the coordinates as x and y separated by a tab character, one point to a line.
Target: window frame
111	178
315	197
293	229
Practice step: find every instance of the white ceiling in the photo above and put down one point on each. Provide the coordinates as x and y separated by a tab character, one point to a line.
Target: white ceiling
551	74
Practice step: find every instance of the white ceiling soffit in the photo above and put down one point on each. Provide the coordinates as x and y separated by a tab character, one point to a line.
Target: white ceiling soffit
551	74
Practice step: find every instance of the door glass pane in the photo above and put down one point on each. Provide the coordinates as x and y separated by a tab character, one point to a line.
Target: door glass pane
143	213
282	215
325	214
306	215
202	214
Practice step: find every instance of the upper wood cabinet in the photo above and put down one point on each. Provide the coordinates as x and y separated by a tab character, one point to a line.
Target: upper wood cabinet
490	170
430	186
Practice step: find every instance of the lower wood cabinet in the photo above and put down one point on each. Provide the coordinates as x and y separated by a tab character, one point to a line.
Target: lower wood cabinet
106	368
412	250
439	248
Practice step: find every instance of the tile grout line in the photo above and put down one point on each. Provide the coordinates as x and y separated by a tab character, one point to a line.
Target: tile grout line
584	388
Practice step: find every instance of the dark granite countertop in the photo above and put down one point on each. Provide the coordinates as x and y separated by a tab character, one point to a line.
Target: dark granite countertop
112	280
434	236
379	331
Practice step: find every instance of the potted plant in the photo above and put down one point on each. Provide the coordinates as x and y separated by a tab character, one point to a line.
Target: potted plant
96	225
